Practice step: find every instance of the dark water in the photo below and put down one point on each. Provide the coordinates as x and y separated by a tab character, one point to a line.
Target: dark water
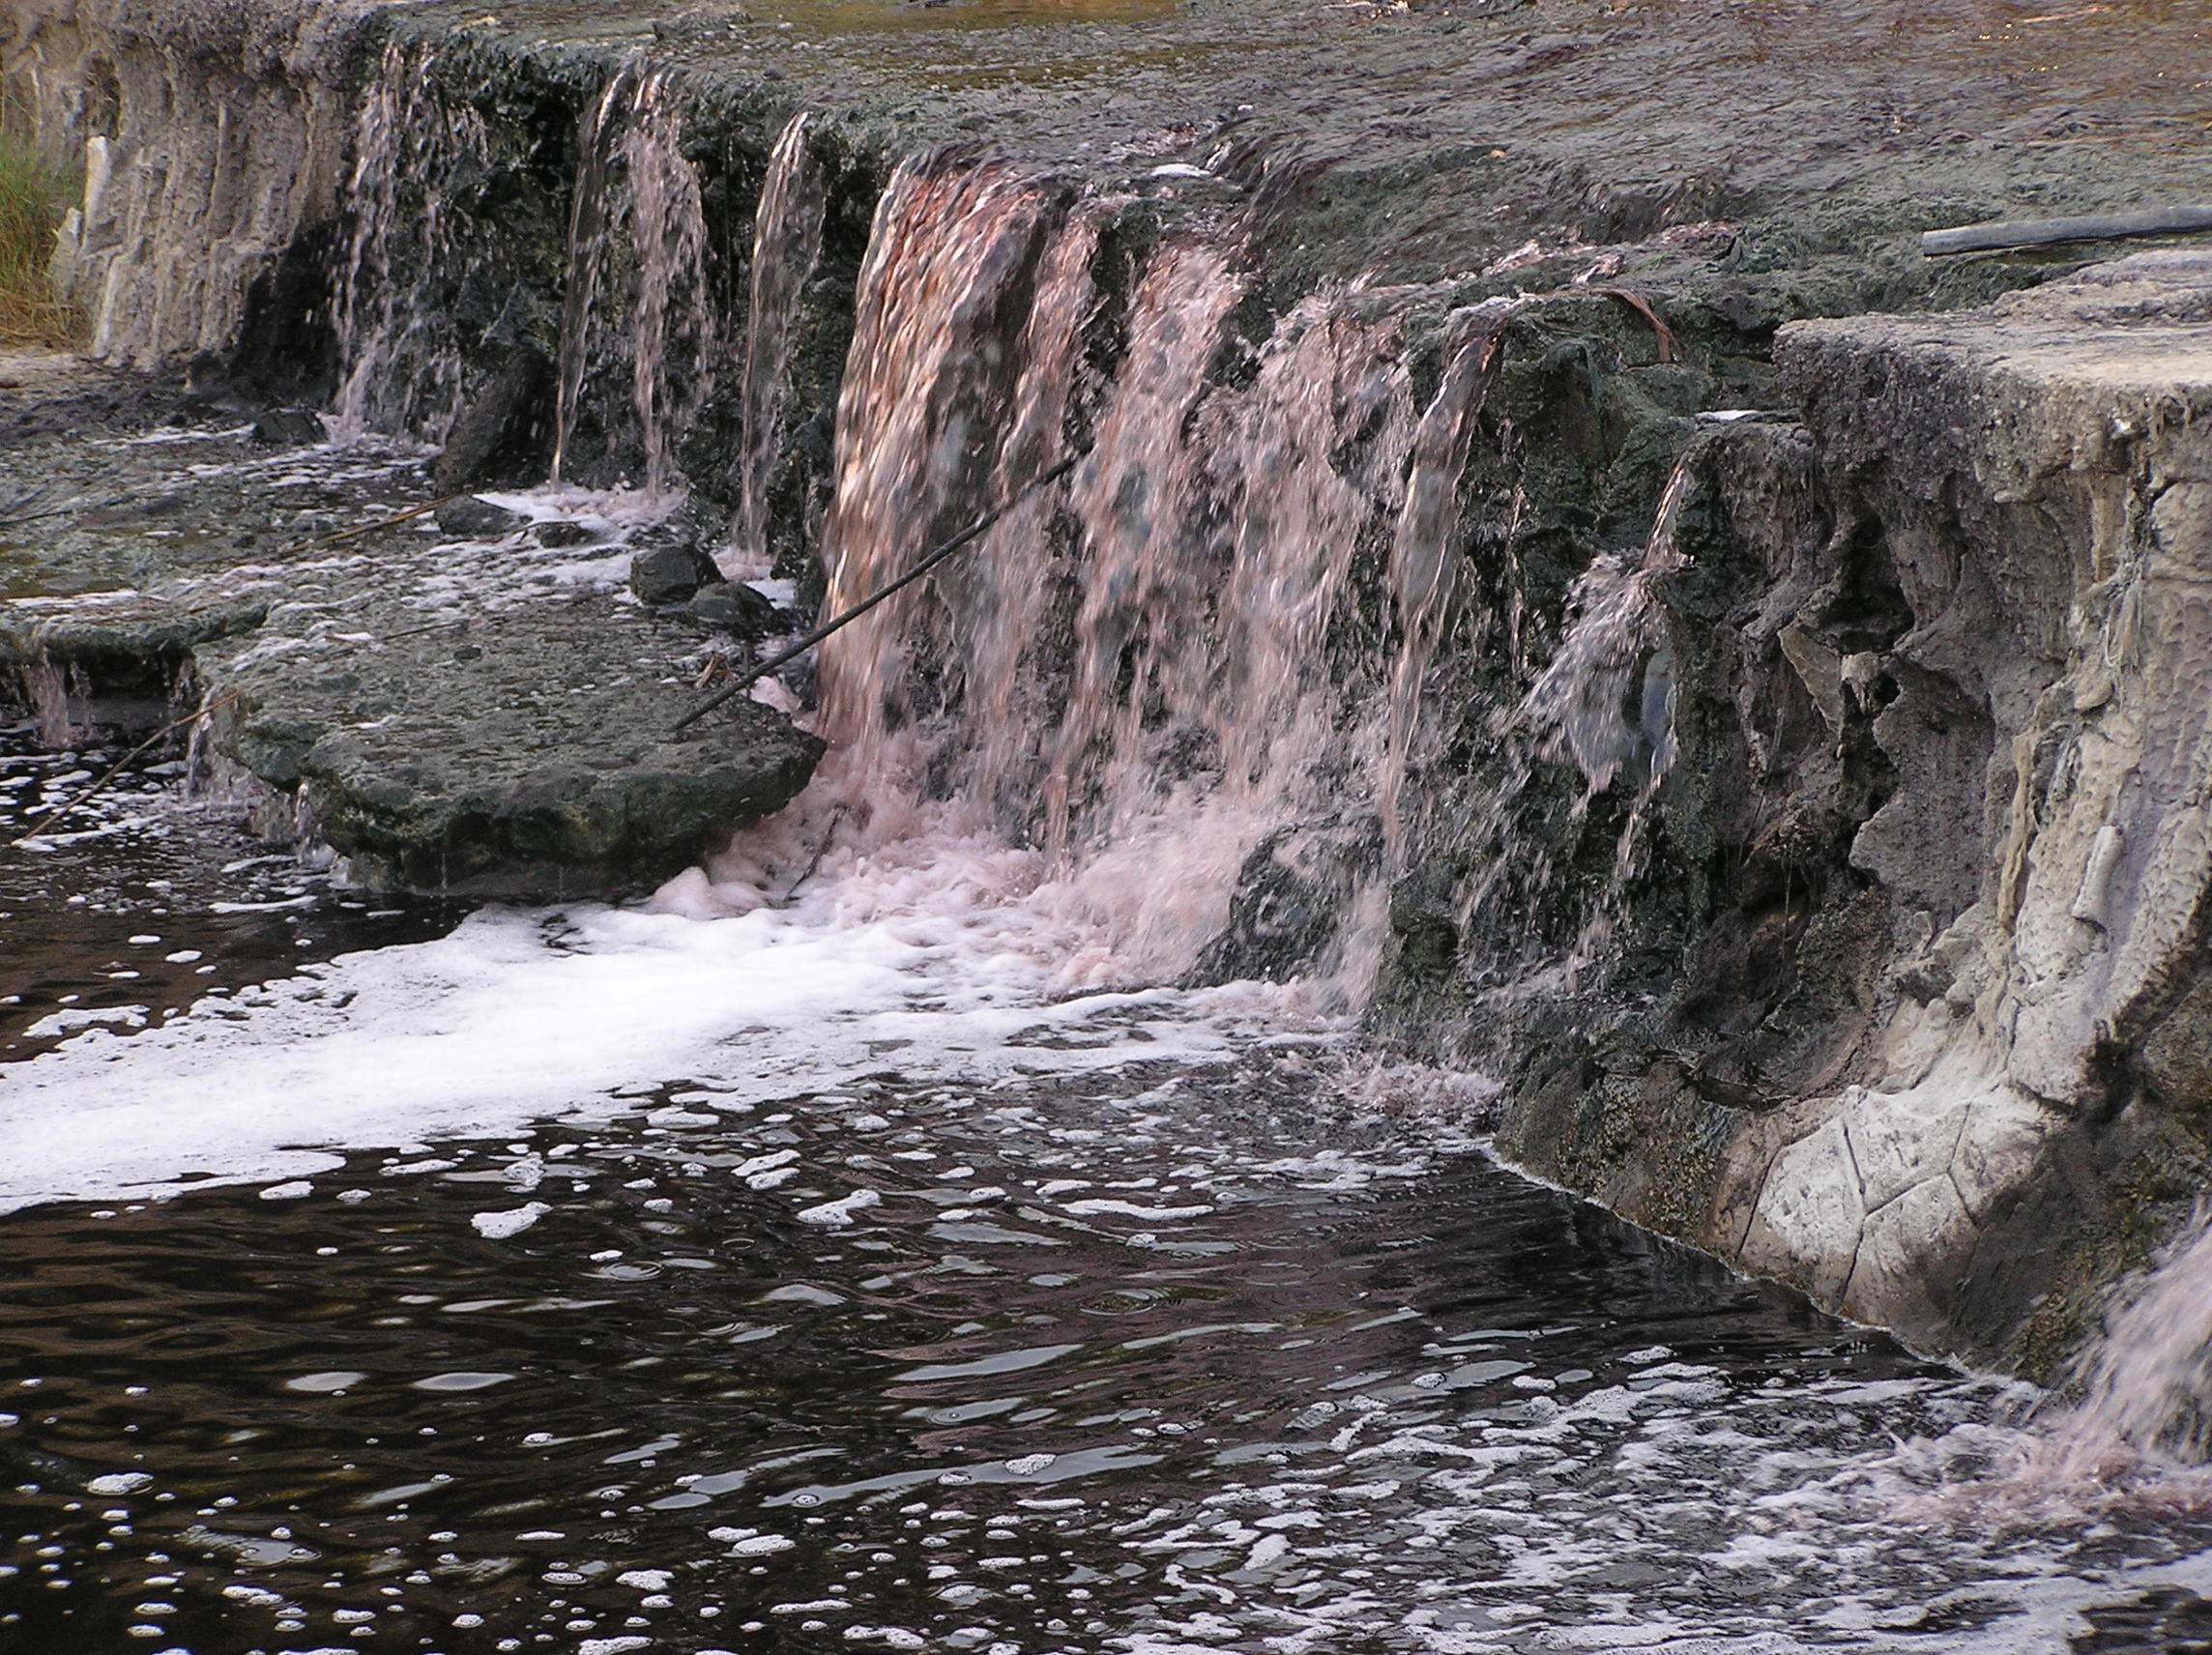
143	901
1130	1363
1253	1353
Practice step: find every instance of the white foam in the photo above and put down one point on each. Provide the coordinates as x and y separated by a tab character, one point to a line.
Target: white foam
933	950
499	1226
837	1214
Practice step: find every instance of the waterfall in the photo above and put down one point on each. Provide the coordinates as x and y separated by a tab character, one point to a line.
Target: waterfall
2145	1389
787	246
1149	674
419	160
674	347
927	384
1217	635
589	215
1422	566
633	181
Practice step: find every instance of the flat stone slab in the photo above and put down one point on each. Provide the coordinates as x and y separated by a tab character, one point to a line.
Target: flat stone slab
476	715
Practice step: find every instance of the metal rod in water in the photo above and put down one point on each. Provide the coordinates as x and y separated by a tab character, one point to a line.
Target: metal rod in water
744	681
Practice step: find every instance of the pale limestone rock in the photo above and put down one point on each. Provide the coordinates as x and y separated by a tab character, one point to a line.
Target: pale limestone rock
1902	1139
1906	1250
1999	1148
1806	1227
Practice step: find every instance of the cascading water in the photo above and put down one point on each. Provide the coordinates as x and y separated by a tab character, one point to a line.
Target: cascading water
675	346
787	245
1602	709
589	219
635	186
897	1261
2144	1401
1200	561
1420	568
418	158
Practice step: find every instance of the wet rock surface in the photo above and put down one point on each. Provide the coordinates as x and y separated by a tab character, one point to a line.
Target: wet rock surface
1898	959
445	701
1700	853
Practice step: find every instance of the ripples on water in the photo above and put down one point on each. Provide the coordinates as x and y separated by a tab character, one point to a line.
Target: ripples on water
1120	1363
1127	1323
140	902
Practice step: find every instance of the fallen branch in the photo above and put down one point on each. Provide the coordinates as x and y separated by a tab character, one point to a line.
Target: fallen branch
814	865
418	631
47	822
359	529
2043	232
746	680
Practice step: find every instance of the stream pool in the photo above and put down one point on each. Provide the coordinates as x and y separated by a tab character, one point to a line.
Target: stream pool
1027	1323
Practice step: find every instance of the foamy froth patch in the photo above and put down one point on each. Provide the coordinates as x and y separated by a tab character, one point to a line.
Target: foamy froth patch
863	846
824	948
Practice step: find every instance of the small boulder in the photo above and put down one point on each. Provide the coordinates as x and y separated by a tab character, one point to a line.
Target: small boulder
477	519
731	606
669	576
288	427
504	431
562	533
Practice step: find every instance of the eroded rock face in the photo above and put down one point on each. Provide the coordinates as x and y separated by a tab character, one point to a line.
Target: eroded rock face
1944	654
1818	865
213	136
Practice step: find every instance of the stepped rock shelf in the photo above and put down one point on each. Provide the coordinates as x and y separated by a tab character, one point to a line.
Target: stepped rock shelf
1802	805
473	712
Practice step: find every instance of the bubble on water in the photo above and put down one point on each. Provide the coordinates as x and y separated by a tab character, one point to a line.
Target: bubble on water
835	1214
328	1384
761	1544
499	1226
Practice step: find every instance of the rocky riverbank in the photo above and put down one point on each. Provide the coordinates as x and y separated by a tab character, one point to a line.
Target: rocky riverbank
467	701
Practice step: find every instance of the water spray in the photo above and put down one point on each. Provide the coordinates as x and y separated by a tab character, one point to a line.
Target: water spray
744	681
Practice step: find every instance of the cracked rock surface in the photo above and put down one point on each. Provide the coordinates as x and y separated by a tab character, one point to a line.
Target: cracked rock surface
1940	1068
472	715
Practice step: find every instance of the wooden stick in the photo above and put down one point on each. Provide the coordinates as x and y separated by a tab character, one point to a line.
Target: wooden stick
360	529
2043	232
746	680
47	822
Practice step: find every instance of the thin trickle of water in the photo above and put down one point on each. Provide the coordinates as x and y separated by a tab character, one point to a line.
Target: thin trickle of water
1422	575
1601	710
637	192
589	214
787	248
402	373
674	348
48	688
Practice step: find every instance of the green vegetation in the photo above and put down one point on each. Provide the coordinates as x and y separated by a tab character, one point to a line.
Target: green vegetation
33	197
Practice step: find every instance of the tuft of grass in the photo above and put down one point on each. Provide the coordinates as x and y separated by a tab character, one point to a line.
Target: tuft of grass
34	196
